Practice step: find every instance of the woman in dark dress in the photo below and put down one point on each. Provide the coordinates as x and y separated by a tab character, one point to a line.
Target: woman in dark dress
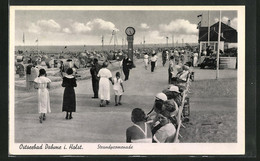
69	98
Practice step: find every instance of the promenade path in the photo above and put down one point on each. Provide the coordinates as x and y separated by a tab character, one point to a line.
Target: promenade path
93	124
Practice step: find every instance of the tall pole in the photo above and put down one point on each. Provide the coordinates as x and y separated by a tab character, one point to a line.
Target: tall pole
102	41
37	46
122	43
208	30
23	42
125	42
114	43
182	42
167	41
219	32
144	42
172	41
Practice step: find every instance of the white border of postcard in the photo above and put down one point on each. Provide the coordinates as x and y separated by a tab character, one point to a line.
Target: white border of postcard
128	148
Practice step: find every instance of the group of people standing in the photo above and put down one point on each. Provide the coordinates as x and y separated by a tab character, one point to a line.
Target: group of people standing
153	60
42	84
102	77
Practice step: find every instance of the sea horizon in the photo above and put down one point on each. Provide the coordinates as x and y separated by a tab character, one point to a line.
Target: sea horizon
84	48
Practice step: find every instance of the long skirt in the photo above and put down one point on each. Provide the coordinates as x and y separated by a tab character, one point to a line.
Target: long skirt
69	100
43	101
104	89
195	61
145	62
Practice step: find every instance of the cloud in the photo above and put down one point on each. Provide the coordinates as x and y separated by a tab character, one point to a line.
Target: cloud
179	26
80	27
233	22
66	30
93	25
225	19
44	26
103	25
155	35
144	26
34	28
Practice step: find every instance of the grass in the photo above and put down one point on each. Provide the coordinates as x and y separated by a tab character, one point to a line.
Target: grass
212	126
214	88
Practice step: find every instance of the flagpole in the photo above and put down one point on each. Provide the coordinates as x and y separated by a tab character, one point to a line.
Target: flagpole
37	47
208	30
219	32
23	42
172	41
199	25
102	41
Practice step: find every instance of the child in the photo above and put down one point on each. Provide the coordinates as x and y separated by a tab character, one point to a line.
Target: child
118	87
42	83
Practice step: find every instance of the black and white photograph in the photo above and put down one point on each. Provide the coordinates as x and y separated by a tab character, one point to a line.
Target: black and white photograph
127	80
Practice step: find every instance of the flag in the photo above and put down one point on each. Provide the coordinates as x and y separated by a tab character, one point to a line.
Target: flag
23	38
199	25
199	15
36	40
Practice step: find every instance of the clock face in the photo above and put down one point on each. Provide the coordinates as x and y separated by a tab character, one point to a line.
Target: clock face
130	31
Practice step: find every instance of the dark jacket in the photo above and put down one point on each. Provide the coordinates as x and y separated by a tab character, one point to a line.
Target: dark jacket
94	70
127	63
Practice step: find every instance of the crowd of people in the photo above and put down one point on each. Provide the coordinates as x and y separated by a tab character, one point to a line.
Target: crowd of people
158	126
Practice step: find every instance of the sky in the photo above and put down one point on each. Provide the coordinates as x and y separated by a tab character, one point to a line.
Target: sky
86	27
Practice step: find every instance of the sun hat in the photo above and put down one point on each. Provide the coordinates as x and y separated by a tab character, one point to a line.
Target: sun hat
174	89
161	96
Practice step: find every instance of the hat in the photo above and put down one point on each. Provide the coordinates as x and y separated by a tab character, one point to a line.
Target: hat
161	96
174	89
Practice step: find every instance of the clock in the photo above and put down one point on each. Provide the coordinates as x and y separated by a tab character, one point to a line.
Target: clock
130	31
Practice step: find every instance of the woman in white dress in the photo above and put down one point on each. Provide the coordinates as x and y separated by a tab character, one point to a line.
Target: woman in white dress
104	87
195	59
146	60
167	133
42	83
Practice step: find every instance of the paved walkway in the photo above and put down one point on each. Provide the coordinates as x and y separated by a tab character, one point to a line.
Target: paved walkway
90	123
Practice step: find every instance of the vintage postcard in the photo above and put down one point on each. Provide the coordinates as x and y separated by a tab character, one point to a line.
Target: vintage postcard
127	80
